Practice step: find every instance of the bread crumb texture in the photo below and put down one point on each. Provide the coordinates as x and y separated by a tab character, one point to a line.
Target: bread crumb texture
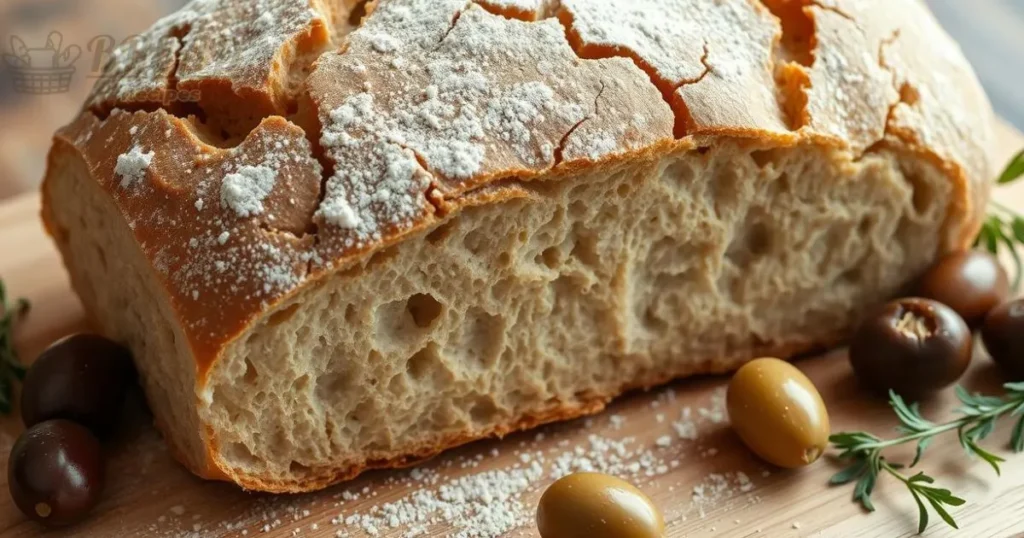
350	234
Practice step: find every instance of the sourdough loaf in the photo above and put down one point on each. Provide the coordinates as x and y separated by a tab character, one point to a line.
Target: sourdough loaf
341	236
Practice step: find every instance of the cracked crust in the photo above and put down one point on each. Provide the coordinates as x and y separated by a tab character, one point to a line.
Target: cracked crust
349	133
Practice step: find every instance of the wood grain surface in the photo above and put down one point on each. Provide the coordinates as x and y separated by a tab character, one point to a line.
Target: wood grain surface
151	495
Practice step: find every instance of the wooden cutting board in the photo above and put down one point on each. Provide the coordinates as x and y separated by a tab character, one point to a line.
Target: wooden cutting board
705	481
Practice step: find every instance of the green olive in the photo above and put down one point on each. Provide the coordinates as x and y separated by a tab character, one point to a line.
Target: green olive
778	413
594	505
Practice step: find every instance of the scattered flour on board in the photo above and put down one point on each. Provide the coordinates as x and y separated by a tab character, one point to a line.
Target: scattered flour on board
687	426
717	487
453	497
491	503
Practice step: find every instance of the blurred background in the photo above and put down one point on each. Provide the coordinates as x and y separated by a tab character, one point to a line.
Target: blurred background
991	33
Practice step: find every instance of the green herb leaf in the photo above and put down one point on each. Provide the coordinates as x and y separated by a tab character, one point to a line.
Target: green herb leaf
939	509
921	477
922	445
1017	437
10	367
862	492
989	236
1014	170
922	512
1004	225
1017	227
982	430
989	457
849	474
851	442
1018	265
909	415
977	401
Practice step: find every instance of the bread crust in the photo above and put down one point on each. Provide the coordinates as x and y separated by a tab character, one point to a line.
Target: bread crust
581	91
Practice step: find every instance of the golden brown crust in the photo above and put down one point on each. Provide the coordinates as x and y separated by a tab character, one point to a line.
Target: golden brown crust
218	270
231	59
431	106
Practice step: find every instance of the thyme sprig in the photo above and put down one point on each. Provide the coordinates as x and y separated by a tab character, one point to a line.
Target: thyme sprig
1004	226
865	462
10	366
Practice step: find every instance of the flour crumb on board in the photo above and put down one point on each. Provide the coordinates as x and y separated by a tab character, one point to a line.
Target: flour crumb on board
492	503
716	487
686	427
716	412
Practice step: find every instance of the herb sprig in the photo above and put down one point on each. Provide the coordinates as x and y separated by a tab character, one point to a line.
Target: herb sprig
10	367
979	414
1004	226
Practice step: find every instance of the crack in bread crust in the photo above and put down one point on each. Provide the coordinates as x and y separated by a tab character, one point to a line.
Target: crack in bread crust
667	89
902	90
560	150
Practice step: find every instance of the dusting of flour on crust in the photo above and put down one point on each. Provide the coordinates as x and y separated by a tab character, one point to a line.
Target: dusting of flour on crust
420	104
241	42
245	190
131	167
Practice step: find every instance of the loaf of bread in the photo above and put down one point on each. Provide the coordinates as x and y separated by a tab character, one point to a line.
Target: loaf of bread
341	235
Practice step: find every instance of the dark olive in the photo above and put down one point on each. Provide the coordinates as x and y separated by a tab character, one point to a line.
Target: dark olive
912	346
83	378
1003	335
56	472
971	283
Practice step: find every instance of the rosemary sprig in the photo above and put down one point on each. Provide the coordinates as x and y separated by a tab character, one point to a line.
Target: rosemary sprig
979	414
10	367
1004	226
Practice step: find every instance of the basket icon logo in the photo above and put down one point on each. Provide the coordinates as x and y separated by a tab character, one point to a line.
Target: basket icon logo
43	70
